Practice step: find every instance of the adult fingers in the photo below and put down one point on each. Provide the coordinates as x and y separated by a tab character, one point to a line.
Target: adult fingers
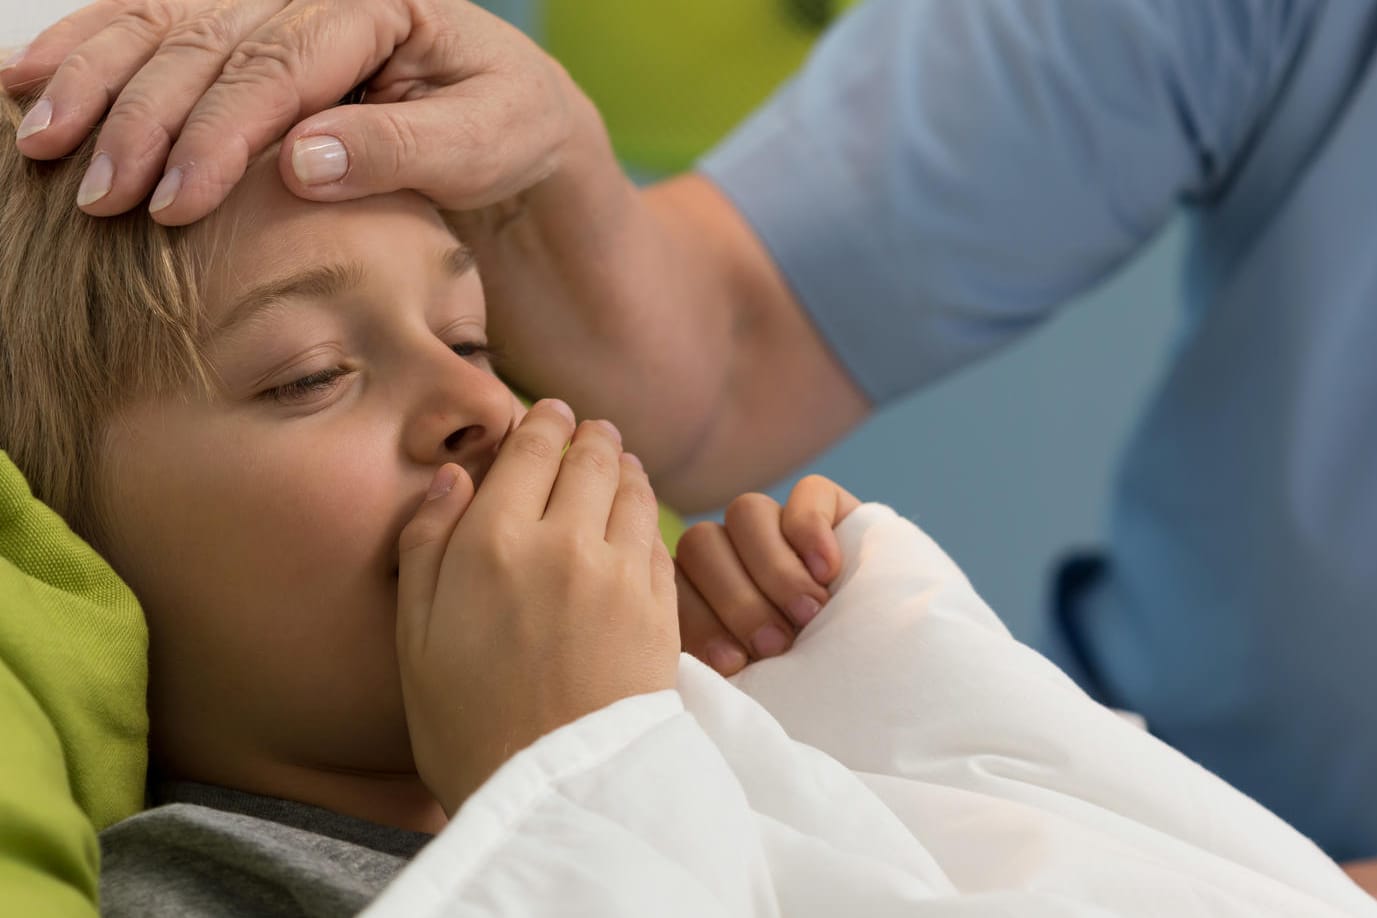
421	551
815	507
588	479
93	73
708	558
702	634
299	62
753	525
31	66
519	483
155	101
478	143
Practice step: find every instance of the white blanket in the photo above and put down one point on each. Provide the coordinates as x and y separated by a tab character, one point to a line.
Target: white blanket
906	757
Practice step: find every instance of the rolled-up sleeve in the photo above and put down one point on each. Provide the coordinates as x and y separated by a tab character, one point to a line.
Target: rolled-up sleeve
944	173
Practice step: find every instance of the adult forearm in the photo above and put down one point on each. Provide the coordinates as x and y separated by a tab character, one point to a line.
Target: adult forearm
661	309
618	300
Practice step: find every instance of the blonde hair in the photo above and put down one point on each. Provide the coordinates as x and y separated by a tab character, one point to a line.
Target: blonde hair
93	311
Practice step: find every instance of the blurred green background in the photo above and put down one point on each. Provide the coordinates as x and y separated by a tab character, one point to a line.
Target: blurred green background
673	76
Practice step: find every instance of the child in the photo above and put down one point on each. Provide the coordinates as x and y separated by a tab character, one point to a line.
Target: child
392	621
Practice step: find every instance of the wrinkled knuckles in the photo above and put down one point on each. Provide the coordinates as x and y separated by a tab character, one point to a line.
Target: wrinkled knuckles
149	20
258	60
212	35
399	147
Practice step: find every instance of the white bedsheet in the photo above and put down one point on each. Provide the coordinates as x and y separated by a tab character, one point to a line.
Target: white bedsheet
906	757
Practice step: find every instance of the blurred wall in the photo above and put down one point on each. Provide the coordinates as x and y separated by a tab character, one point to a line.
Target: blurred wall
1006	464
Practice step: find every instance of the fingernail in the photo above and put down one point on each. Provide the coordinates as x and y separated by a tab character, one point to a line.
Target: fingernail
100	175
562	407
443	482
167	190
13	60
816	566
38	119
634	460
612	429
726	658
320	159
803	610
769	641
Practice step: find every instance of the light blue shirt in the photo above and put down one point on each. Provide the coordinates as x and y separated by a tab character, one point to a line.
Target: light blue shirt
945	173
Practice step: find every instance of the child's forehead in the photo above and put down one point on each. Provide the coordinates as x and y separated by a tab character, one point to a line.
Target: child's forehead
263	229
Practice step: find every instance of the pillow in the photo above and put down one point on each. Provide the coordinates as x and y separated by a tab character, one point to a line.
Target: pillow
73	678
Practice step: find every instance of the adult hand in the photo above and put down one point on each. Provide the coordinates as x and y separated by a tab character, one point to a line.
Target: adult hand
462	107
748	586
546	596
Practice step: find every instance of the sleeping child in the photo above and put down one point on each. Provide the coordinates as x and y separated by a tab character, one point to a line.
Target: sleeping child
416	651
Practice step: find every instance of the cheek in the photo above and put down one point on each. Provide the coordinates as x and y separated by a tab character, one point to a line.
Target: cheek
300	514
315	513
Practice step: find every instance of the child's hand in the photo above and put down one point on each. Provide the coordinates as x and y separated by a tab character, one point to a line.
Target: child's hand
747	587
546	596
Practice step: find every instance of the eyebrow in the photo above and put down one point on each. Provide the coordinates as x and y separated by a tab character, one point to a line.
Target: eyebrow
322	282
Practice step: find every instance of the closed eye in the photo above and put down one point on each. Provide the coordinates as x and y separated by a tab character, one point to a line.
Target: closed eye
324	380
306	386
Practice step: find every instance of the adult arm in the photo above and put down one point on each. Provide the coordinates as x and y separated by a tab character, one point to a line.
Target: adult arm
936	180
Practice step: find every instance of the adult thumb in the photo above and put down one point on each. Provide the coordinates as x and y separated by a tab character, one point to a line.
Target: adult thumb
457	148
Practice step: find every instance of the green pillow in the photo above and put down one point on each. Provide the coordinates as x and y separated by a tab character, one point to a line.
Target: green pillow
73	677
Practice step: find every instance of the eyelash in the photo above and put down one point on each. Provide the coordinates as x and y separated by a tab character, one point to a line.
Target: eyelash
322	381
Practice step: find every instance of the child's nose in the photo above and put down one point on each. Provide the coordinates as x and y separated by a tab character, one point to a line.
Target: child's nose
473	449
462	420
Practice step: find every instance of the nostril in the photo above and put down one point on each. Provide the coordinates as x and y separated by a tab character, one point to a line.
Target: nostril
456	439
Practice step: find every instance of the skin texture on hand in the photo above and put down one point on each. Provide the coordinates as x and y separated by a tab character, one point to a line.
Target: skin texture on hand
544	597
464	108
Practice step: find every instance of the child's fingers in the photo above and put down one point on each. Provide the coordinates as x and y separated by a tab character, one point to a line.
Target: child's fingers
709	560
422	545
815	507
633	523
588	479
753	525
662	573
518	483
700	632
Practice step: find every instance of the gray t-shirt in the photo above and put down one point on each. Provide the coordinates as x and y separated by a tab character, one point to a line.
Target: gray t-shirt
211	851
